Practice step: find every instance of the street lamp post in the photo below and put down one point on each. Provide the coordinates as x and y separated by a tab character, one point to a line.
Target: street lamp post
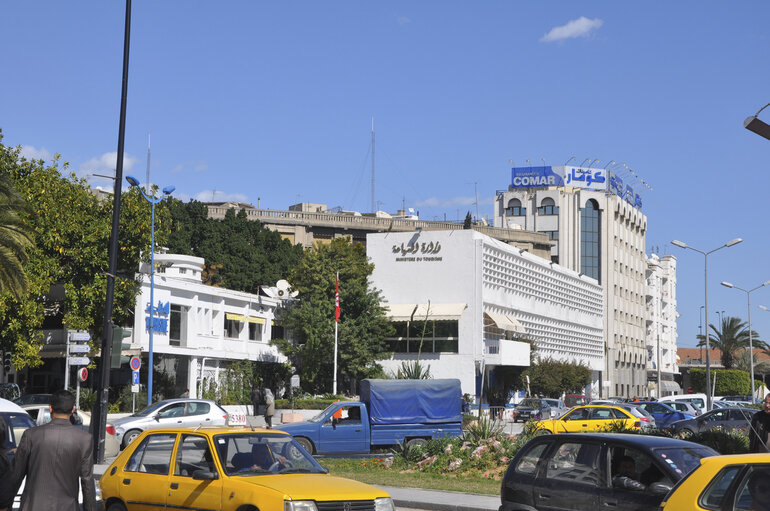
682	244
751	344
759	127
153	201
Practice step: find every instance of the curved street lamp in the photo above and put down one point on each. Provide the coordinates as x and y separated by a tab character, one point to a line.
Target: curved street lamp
751	343
761	128
682	244
153	201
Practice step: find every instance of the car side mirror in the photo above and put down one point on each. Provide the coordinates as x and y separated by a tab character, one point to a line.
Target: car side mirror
335	421
204	475
659	489
156	417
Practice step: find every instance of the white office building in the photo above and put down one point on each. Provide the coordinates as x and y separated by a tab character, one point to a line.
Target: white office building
598	230
198	329
661	325
480	298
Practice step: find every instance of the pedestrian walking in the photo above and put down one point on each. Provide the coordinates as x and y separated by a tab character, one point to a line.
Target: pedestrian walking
54	458
759	432
185	394
269	407
255	398
5	463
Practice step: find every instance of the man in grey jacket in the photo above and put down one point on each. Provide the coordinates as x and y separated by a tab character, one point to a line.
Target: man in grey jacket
54	458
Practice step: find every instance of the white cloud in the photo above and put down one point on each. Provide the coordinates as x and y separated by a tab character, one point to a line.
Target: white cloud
581	27
435	202
403	20
106	163
195	166
32	153
220	196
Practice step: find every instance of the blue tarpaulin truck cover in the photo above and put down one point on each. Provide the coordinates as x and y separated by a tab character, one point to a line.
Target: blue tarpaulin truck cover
412	401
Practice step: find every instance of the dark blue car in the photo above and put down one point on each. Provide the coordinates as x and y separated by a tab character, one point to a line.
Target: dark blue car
664	414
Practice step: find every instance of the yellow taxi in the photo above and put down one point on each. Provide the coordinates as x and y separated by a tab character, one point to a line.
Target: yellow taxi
739	482
588	418
228	469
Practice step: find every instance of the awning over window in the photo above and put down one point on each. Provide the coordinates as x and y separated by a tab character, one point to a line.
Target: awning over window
671	386
418	311
504	322
235	317
258	320
243	319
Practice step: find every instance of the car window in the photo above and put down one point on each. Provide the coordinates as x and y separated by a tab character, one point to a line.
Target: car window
602	413
527	464
17	423
714	495
718	415
253	454
33	413
193	454
754	490
173	410
682	460
637	465
577	414
575	462
197	408
153	455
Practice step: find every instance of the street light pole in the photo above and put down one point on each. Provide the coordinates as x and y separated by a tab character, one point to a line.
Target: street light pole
751	344
151	326
759	127
682	244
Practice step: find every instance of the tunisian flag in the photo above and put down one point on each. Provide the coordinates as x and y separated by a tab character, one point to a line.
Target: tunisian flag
337	300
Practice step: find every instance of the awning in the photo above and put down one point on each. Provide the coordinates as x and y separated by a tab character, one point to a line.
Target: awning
671	386
418	311
235	317
258	320
504	322
243	319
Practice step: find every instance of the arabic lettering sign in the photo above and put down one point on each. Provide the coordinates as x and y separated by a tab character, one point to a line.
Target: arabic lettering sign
426	251
158	323
624	191
581	177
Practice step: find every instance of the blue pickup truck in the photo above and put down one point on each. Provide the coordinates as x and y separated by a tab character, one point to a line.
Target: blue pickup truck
390	412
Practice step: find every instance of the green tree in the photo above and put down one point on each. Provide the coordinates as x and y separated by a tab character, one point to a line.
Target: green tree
15	238
66	267
732	337
240	254
468	221
552	378
362	327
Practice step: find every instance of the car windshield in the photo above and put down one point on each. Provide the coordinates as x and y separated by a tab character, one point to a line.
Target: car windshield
150	409
532	403
683	459
252	454
319	417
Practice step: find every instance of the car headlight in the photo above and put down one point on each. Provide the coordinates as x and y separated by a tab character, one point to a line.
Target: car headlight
299	505
384	504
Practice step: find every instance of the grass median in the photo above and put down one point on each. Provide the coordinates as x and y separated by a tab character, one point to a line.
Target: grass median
373	471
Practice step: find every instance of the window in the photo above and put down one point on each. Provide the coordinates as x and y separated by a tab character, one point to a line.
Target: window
198	408
255	332
575	462
552	235
153	455
548	207
192	455
590	223
515	208
182	271
753	492
176	314
174	410
528	462
233	328
439	337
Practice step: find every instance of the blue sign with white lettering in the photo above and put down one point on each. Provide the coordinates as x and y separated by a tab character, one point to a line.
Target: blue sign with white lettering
134	377
535	177
158	324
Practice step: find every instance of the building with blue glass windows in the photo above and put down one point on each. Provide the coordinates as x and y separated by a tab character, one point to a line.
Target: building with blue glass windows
598	229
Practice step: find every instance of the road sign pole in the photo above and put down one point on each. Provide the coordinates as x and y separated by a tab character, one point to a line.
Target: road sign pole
77	391
67	363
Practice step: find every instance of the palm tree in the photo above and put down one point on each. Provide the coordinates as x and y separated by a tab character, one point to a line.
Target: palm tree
733	336
15	240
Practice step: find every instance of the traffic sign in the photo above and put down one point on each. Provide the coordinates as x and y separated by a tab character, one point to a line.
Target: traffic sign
83	373
134	377
135	389
135	363
80	336
79	361
79	348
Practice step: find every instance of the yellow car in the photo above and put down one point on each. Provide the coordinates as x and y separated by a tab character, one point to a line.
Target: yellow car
588	418
228	469
739	482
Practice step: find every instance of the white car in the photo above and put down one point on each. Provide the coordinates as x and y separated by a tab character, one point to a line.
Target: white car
171	413
41	415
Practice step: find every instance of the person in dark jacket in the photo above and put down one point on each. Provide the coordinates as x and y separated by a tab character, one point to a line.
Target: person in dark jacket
56	459
255	397
759	432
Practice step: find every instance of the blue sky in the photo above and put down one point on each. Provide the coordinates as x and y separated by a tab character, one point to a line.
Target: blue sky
273	101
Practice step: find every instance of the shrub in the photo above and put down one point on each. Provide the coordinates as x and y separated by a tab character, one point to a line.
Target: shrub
729	381
484	428
724	442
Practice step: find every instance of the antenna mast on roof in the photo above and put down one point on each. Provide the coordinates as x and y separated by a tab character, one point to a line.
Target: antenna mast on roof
373	204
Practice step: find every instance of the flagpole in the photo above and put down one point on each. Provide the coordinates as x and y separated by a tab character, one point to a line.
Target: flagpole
336	321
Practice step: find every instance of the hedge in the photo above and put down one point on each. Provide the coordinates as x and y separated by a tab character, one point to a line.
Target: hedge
729	381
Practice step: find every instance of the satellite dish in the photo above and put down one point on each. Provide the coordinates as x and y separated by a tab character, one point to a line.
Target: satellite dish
271	292
282	284
281	293
294	294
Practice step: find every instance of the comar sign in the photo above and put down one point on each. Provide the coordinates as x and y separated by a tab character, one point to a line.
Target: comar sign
159	320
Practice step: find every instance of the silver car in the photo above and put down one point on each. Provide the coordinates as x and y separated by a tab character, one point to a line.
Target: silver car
171	413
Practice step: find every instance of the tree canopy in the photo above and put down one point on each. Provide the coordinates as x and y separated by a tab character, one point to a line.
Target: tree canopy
362	326
552	378
732	337
65	269
240	254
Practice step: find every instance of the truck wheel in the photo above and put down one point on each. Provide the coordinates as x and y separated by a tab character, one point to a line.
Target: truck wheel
414	442
306	444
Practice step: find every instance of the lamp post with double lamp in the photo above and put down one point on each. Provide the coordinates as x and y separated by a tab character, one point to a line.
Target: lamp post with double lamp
759	127
682	244
151	325
751	343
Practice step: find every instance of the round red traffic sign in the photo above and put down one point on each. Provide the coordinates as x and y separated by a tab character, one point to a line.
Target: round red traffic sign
135	363
83	373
